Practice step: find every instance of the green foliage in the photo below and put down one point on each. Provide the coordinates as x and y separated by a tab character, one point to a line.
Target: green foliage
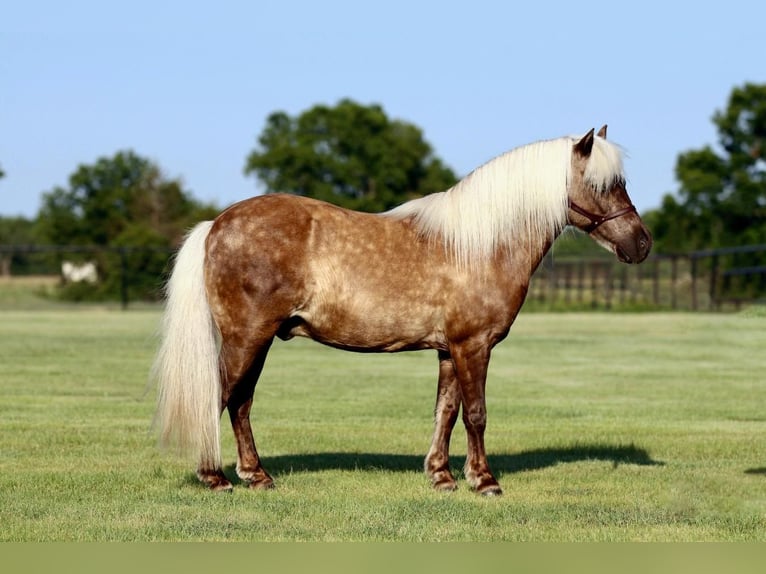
15	231
145	265
602	427
722	196
350	155
106	199
122	201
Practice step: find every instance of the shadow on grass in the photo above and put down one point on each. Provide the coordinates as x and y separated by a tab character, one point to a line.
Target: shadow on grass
757	471
501	464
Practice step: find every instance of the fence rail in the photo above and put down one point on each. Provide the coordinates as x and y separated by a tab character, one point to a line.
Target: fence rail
712	279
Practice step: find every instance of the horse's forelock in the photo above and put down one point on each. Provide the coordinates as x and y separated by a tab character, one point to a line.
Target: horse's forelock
604	167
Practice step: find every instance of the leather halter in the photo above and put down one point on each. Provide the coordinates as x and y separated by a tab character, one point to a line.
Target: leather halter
595	219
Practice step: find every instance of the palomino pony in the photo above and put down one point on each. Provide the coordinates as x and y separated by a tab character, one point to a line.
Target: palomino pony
448	271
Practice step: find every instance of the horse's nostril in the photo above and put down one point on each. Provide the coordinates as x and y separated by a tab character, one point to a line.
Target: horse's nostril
644	242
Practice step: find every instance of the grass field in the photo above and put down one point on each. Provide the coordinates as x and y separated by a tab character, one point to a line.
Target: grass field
601	427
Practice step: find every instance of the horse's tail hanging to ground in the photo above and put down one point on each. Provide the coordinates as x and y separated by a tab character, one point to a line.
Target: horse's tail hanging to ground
187	366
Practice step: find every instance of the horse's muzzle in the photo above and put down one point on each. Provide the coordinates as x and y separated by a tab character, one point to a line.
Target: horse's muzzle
637	250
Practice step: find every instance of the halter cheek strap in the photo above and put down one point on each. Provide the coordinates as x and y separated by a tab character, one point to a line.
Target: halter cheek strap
595	219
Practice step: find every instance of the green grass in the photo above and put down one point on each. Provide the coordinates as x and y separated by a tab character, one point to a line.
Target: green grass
34	292
601	427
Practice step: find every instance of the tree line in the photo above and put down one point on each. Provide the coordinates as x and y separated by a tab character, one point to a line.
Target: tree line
721	199
355	156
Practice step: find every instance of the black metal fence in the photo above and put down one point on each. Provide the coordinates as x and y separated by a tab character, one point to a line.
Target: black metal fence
714	279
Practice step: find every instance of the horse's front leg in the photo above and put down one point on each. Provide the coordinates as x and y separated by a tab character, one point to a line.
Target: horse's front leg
445	415
471	359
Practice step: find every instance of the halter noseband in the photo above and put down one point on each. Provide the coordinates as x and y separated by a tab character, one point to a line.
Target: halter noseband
597	220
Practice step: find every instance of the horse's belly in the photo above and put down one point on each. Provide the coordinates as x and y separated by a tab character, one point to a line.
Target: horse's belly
370	332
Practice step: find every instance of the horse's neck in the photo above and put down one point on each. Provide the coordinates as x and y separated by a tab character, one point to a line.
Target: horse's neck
523	255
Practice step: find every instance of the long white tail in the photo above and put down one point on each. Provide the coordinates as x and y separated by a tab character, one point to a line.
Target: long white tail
186	367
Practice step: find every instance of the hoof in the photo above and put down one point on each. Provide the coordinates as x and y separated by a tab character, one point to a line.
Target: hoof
255	478
265	484
442	480
445	486
483	483
217	483
490	491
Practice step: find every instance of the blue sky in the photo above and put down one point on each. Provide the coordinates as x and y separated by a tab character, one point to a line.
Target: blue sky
190	84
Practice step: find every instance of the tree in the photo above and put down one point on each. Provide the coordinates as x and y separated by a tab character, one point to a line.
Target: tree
14	231
108	198
123	201
722	195
350	154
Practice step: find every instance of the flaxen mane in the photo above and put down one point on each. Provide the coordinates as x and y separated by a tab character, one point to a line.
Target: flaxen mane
521	191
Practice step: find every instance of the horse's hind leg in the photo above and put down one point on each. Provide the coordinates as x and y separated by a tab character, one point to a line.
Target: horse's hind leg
244	366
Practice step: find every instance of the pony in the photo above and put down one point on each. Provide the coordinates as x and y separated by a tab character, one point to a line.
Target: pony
447	272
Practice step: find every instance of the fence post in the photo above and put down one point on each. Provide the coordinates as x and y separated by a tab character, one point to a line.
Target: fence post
551	296
713	280
694	281
608	285
673	279
623	283
593	284
123	277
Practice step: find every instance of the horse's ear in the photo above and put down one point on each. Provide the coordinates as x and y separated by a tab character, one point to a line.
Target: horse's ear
602	132
585	145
